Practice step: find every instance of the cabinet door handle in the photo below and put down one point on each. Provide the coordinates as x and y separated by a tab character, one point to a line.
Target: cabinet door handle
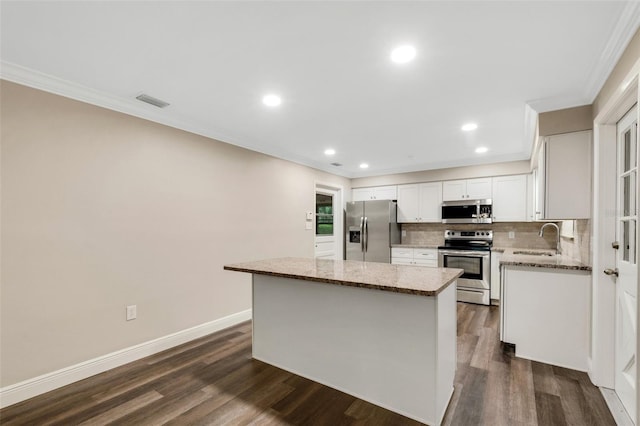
610	271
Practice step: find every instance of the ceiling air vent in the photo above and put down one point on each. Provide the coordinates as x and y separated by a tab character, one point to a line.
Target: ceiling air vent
153	101
336	164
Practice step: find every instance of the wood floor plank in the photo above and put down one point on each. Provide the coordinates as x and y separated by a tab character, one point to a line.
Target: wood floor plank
544	379
324	405
597	406
467	344
549	409
365	413
484	349
214	380
522	404
496	408
470	405
227	388
163	410
122	409
305	389
574	404
249	404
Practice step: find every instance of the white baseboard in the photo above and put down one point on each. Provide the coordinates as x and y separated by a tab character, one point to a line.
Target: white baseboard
18	392
618	412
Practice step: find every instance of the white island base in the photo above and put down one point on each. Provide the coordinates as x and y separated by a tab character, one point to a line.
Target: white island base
395	350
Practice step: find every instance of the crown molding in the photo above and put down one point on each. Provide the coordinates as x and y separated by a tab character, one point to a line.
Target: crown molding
624	30
48	83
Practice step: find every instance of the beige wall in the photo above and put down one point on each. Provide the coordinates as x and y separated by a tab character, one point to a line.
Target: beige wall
496	169
101	210
565	120
629	57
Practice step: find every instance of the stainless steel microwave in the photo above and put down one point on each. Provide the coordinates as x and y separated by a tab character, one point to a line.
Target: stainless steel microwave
467	211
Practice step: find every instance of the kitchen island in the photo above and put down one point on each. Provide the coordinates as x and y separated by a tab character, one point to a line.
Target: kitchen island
383	333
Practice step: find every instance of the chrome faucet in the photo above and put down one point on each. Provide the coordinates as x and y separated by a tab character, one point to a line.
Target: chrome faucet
558	250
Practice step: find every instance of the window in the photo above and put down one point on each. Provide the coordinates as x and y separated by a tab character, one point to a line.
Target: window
324	214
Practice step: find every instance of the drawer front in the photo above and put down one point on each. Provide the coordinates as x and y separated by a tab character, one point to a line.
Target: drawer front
426	262
431	254
471	296
401	261
402	252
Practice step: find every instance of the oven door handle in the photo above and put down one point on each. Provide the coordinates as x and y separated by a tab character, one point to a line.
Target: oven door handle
463	253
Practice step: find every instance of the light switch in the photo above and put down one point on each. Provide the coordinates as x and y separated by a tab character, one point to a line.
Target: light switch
309	216
309	225
132	312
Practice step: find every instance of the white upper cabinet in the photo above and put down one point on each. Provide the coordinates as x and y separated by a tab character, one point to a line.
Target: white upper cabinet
468	189
420	202
510	199
375	193
408	203
564	177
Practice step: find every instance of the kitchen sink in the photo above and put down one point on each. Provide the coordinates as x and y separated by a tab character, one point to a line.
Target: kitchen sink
533	253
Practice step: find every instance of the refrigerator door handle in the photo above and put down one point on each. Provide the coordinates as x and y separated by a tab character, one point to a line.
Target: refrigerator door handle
362	234
366	234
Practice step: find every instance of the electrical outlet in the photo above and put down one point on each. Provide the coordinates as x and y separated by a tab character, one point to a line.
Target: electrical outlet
404	233
512	235
132	312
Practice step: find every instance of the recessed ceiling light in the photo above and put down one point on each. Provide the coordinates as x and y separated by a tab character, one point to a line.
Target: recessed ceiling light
329	151
481	149
271	100
469	127
403	54
364	165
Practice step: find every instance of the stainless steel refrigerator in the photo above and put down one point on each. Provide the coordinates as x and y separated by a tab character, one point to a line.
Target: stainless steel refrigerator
371	228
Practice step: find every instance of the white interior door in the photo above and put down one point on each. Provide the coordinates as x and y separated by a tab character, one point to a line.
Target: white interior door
326	224
627	261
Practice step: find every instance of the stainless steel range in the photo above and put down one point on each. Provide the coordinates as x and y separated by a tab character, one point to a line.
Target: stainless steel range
470	251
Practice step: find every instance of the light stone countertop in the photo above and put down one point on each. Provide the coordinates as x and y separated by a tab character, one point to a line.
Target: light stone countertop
509	258
417	280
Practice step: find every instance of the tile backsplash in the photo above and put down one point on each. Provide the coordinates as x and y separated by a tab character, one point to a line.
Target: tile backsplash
525	236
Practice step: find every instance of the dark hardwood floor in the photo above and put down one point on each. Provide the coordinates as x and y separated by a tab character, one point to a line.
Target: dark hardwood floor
214	381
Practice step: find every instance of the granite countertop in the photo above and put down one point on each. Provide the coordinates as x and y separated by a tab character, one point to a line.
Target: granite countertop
512	258
417	280
418	246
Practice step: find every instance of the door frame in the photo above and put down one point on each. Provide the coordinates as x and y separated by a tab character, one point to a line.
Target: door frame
338	214
602	353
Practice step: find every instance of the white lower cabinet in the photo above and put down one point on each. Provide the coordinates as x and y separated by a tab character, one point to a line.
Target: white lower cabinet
545	313
414	256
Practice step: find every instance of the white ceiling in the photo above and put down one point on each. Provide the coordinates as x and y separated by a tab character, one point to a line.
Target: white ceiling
477	61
